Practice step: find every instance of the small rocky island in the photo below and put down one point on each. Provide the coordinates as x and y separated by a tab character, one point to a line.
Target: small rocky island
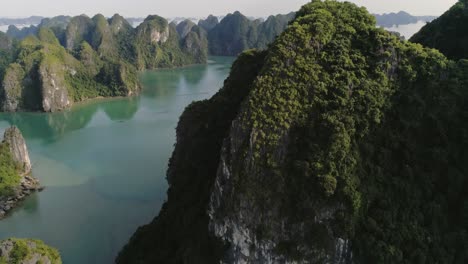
26	251
16	181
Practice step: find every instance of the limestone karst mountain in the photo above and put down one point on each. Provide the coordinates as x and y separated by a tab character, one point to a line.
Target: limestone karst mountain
341	143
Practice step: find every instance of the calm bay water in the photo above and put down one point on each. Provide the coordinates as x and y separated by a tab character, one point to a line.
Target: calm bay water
409	30
104	163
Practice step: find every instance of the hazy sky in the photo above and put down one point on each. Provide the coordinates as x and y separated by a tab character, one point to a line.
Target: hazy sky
199	8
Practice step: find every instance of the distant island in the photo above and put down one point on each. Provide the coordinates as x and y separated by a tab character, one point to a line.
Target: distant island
400	18
32	20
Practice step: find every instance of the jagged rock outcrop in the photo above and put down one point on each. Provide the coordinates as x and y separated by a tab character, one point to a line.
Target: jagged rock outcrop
27	251
341	144
54	92
16	183
14	139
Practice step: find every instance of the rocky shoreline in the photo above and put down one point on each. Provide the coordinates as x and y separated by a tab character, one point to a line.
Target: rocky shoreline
28	186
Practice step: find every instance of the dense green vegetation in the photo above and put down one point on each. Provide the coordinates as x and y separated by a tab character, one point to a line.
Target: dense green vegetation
346	84
24	250
341	115
9	171
183	237
448	33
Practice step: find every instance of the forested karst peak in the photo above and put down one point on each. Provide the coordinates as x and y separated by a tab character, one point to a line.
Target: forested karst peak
345	146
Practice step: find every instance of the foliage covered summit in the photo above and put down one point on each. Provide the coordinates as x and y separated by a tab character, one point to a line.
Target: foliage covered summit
347	132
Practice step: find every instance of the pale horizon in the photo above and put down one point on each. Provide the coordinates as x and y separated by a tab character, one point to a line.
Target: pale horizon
258	8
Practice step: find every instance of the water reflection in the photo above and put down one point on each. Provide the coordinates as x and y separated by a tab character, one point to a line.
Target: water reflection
104	163
116	111
409	30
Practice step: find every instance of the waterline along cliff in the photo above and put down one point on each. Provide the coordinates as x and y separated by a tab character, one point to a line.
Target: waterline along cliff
341	143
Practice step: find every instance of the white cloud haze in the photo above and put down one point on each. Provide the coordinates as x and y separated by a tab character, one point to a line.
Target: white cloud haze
199	8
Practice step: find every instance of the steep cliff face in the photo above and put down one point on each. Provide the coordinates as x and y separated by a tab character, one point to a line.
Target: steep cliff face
37	80
27	251
345	148
54	91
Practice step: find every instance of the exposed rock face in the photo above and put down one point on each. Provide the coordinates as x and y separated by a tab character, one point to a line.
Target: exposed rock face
18	148
160	36
54	92
28	251
155	29
254	225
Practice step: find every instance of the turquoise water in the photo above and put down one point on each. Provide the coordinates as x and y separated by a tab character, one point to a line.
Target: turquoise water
104	163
